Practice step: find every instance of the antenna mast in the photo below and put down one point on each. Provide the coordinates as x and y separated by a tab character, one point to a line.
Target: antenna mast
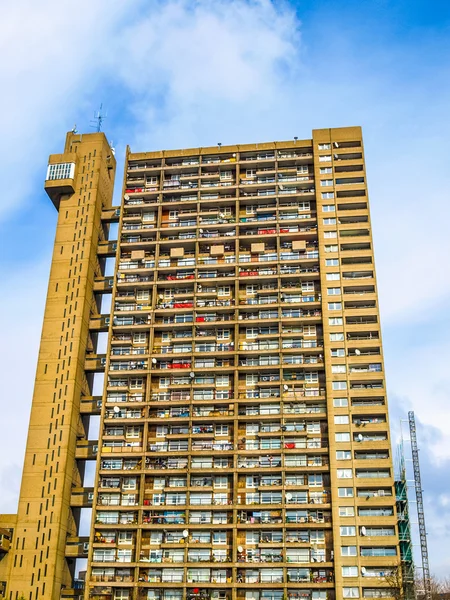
420	510
98	119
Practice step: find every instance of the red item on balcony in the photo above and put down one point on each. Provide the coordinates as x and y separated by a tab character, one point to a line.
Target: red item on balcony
200	319
289	445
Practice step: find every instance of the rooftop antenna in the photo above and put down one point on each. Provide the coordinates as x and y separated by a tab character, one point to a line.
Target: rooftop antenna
98	119
74	129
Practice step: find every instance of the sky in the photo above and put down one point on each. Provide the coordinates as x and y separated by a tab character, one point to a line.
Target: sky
188	73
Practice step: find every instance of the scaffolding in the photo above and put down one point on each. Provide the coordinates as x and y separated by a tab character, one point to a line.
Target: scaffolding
420	509
404	527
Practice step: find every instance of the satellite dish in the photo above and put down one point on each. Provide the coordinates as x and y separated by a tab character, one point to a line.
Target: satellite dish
234	154
191	374
288	496
336	145
363	530
281	187
336	157
240	549
360	437
363	570
285	387
185	533
127	197
357	352
154	361
201	230
116	409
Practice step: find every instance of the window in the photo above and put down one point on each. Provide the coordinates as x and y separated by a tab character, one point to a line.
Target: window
327	195
338	353
344	474
332	262
345	492
333	277
329	221
330	234
325	158
378	551
329	208
326	182
343	455
139	338
346	531
338	368
349	571
324	170
336	337
339	385
346	511
350	592
341	420
342	437
335	291
335	321
348	550
324	146
340	402
60	171
331	248
334	305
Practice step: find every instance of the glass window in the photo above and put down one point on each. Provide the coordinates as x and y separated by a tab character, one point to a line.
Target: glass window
334	291
349	571
336	337
333	277
338	368
339	402
332	262
341	419
348	550
335	321
60	171
330	234
344	474
350	592
347	530
324	146
343	455
339	385
342	437
346	511
326	182
334	305
329	208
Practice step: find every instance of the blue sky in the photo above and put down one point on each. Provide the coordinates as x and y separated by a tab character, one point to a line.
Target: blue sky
179	73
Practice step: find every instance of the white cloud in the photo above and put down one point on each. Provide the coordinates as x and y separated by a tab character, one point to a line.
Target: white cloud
21	322
51	53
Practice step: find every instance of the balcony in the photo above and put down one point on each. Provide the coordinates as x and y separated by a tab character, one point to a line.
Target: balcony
5	540
77	547
81	497
86	450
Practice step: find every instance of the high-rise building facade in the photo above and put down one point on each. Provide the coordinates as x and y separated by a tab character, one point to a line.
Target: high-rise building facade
244	449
